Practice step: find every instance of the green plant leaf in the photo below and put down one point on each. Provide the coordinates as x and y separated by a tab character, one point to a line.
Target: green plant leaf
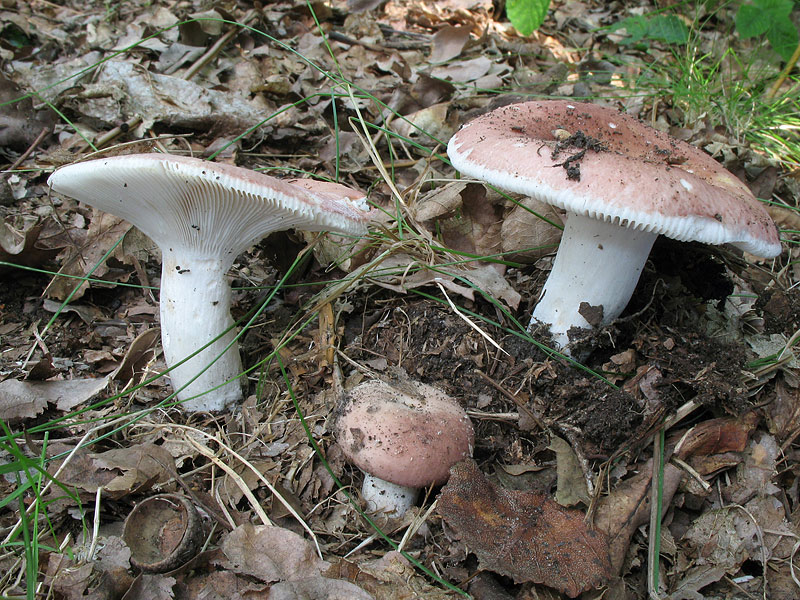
527	15
752	21
636	28
669	29
663	28
779	8
783	38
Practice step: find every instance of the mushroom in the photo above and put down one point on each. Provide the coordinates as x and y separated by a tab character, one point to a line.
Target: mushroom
404	437
622	184
203	215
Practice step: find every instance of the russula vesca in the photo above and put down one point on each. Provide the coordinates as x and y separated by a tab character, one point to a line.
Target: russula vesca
404	436
622	184
203	215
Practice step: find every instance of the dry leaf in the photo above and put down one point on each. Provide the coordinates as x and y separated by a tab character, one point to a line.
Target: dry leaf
21	400
628	506
271	553
571	487
464	70
527	233
141	465
448	43
318	588
21	248
484	277
104	231
524	535
151	587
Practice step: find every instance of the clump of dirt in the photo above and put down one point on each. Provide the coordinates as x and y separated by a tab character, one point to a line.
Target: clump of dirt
580	140
781	310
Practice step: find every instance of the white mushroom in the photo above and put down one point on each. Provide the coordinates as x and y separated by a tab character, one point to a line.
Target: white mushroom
203	215
622	184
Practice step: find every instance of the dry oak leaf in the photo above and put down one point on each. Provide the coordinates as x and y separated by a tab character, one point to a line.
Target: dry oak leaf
524	535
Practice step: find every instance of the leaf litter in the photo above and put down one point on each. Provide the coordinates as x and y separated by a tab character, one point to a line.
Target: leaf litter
720	371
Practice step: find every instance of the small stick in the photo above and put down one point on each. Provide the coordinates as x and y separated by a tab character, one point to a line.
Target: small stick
42	134
785	73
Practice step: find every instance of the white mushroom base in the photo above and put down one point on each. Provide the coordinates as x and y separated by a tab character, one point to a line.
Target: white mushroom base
195	309
387	498
598	263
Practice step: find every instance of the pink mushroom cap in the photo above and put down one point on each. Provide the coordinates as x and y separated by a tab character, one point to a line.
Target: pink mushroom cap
631	175
408	434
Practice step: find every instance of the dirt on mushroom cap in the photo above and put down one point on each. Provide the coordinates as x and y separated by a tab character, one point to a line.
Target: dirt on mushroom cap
630	174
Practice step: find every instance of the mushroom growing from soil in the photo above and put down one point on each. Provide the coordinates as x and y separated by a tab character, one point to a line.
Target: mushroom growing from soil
404	436
203	215
622	184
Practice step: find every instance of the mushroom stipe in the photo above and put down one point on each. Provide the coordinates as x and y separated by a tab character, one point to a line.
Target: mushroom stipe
203	215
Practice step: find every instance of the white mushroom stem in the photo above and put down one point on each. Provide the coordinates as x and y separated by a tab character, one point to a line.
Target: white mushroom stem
195	309
387	498
597	262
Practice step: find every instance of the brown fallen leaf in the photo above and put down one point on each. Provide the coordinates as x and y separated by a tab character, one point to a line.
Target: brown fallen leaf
524	535
571	488
399	274
391	577
529	231
105	231
628	506
71	579
136	468
23	248
448	43
319	588
271	553
20	400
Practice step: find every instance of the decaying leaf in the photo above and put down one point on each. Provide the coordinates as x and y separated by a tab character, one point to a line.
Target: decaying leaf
149	586
530	231
135	469
467	217
74	580
104	231
524	535
571	487
21	400
448	43
22	248
391	577
271	553
319	588
627	507
402	274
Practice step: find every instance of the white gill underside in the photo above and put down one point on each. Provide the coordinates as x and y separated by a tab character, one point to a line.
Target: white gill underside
598	263
195	309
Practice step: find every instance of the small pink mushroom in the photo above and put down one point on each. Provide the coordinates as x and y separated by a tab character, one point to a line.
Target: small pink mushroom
404	437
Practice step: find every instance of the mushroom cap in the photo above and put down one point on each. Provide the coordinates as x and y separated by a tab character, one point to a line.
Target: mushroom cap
409	434
210	207
629	174
330	189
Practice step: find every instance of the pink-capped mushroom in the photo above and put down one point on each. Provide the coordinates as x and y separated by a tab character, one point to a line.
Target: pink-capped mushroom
622	184
405	437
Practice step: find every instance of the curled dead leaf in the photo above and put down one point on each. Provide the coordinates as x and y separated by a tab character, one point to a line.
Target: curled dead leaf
524	535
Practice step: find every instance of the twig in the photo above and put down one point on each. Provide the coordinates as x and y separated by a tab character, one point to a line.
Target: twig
214	50
654	529
785	73
42	134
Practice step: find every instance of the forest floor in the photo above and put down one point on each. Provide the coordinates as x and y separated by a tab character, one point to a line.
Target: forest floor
700	372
